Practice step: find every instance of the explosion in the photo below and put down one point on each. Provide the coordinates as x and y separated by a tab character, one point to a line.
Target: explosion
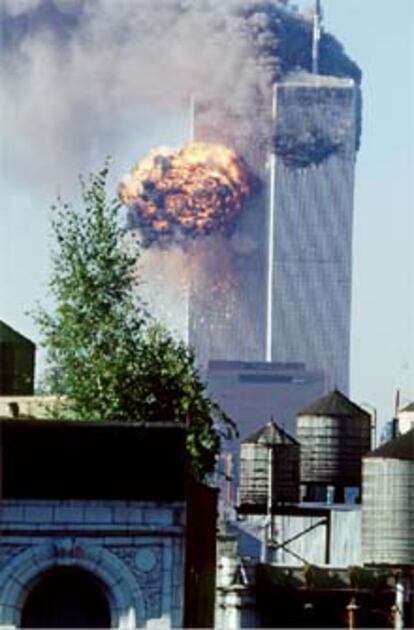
195	191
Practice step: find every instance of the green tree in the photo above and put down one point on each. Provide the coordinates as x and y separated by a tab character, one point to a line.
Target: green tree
105	354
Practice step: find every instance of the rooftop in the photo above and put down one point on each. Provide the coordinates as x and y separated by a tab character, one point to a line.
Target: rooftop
270	433
29	406
335	404
46	459
409	407
401	448
9	335
309	80
221	364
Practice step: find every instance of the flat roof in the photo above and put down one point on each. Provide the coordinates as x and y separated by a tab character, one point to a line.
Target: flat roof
74	459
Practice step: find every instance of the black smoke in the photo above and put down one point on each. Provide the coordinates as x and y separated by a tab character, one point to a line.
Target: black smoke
72	71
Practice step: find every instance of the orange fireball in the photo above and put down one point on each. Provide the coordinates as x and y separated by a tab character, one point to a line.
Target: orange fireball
197	190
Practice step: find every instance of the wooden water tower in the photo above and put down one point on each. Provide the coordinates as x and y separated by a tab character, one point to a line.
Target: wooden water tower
269	469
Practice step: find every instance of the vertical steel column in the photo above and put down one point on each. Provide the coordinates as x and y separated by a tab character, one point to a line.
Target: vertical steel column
271	233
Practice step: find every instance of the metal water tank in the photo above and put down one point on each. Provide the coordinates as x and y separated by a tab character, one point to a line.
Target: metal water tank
269	461
334	433
388	503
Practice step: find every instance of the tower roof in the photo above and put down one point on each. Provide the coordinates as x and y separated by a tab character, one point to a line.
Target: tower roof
334	404
409	407
8	334
269	434
401	448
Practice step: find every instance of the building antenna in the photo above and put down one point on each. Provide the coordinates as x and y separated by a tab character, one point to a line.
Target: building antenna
316	36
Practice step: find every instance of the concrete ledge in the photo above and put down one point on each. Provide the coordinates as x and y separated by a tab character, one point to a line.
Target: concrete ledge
159	516
70	514
24	534
128	514
98	515
11	513
38	514
25	513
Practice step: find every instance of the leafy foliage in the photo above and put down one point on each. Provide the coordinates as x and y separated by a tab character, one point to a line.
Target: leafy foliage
106	355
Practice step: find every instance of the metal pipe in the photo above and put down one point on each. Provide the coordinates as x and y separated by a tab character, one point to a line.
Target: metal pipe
328	538
399	603
300	534
351	609
373	413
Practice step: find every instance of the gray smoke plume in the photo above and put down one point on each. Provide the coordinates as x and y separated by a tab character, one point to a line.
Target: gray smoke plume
73	70
81	79
173	47
186	36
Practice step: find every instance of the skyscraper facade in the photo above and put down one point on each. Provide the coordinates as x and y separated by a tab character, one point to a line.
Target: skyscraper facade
227	306
314	163
279	289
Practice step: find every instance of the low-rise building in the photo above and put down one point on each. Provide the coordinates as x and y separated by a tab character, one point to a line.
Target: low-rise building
100	527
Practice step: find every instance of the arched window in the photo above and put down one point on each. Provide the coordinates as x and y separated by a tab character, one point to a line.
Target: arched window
66	597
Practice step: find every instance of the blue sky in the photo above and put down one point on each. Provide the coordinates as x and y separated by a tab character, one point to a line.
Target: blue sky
377	34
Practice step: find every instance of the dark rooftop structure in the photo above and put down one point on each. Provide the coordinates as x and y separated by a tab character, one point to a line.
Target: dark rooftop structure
17	363
409	407
270	434
48	459
335	405
401	448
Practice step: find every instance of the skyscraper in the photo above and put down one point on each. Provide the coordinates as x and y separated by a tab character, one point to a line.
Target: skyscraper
310	293
280	288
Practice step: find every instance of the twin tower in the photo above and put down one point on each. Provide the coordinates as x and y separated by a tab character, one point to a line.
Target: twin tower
279	287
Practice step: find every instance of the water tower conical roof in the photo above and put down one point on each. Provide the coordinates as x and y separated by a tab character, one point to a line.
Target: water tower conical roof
270	433
335	404
409	407
401	448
